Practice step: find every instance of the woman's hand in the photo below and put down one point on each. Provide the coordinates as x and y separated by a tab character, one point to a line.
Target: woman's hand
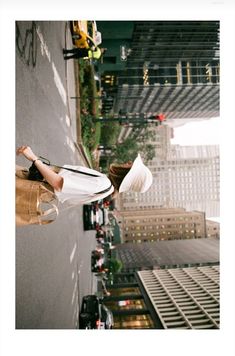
54	179
27	152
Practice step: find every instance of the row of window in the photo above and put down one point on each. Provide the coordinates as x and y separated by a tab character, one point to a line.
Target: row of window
163	219
129	239
157	227
164	234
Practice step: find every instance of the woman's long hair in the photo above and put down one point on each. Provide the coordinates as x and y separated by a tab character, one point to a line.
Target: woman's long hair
117	172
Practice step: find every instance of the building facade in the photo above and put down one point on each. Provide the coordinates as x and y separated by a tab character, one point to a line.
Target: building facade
160	224
197	151
187	298
166	285
179	298
170	67
190	183
212	229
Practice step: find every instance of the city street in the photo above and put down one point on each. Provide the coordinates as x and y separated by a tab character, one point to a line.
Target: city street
52	261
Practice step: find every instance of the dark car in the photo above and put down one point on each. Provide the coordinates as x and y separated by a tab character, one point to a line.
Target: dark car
94	216
91	217
94	314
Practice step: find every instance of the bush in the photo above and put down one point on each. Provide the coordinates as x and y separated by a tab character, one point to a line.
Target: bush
109	133
89	106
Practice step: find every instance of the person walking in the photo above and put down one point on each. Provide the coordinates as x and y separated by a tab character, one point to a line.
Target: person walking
78	185
93	52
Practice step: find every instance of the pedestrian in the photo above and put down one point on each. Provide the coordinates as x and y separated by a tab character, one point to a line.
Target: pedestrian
93	52
78	185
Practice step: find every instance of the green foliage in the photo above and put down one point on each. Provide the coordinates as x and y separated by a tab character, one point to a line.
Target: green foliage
106	133
114	265
109	133
125	151
89	106
136	142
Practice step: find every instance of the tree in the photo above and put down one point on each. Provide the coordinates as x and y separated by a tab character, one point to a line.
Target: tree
137	142
125	151
109	133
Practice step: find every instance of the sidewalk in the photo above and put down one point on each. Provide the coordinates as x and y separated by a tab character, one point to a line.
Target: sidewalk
72	90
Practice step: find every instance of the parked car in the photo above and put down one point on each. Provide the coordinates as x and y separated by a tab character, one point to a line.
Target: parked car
94	314
90	216
85	34
94	216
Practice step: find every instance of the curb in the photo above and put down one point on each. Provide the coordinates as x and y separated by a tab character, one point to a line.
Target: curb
82	153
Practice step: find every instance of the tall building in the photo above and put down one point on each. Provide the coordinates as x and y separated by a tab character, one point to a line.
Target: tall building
197	151
161	297
160	224
179	298
167	66
187	298
168	254
190	183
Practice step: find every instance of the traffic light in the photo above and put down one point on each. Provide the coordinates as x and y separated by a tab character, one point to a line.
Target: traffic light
160	117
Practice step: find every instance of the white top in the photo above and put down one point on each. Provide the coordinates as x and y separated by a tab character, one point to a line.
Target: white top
80	188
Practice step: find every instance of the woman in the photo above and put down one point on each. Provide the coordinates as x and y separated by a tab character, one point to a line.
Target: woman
83	185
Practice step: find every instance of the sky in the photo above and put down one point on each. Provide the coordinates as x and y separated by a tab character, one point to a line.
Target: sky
206	132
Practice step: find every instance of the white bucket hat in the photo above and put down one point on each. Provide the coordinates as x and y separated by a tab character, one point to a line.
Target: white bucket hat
138	179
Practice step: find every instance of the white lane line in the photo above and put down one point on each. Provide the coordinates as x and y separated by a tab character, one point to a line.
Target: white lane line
44	48
73	252
59	84
74	293
75	315
68	121
73	275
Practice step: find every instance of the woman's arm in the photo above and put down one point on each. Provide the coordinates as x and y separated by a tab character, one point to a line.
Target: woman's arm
54	179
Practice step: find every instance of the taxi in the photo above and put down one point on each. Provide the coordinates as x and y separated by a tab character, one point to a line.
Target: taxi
85	34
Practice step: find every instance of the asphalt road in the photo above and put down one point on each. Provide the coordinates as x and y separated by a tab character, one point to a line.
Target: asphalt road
52	261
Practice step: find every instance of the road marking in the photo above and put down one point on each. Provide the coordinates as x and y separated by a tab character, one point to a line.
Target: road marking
57	79
68	121
75	315
44	48
70	143
73	275
73	252
59	84
74	293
